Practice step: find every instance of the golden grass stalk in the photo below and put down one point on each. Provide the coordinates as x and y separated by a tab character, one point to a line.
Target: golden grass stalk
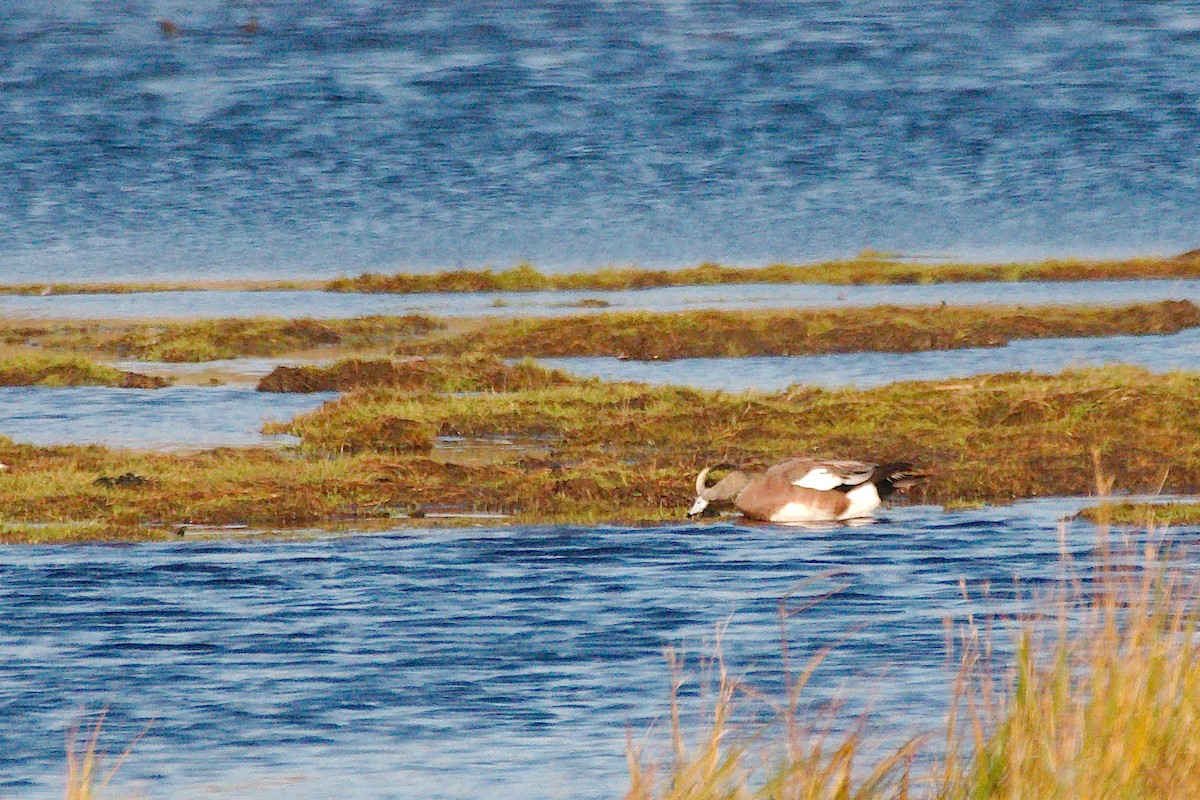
791	757
1102	702
86	777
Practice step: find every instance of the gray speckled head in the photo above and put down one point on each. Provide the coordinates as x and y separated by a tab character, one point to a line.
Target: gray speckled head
723	491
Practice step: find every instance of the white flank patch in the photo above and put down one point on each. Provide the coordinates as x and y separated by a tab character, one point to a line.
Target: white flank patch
863	500
802	512
820	479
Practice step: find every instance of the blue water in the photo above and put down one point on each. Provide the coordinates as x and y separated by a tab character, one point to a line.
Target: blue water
177	417
375	135
1180	351
480	663
331	305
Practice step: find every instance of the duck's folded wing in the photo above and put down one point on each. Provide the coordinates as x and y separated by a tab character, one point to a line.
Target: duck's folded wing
831	475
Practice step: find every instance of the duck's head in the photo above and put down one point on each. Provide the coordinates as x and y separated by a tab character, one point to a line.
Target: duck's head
723	491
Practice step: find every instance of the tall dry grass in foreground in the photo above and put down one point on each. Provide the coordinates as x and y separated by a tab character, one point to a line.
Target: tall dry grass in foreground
87	778
1103	701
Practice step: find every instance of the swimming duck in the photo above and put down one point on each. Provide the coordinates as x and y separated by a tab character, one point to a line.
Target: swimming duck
807	490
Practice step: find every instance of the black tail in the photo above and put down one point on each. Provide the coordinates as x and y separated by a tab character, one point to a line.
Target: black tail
897	475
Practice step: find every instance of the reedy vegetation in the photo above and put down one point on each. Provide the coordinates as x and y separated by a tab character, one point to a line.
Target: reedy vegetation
989	438
1102	702
1145	514
720	334
472	373
87	779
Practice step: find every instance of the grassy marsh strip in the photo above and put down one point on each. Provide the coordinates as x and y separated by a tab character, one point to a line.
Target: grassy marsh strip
65	370
867	268
989	438
589	451
717	334
644	335
471	373
142	287
209	340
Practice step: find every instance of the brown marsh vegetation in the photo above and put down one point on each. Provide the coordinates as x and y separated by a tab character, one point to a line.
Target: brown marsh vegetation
66	370
586	451
643	335
472	373
208	340
717	334
868	268
989	438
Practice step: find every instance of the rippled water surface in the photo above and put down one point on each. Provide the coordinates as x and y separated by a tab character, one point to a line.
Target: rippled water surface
322	137
1180	351
174	417
540	304
476	663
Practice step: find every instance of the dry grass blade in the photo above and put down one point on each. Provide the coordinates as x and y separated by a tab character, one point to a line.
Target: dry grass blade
87	778
733	760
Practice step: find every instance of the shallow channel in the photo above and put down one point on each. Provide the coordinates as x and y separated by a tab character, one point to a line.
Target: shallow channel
1179	351
329	305
505	663
177	417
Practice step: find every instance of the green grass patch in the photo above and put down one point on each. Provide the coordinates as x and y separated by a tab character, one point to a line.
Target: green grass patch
1144	515
717	334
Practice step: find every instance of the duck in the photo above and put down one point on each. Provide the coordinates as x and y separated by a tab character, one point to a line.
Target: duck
807	490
